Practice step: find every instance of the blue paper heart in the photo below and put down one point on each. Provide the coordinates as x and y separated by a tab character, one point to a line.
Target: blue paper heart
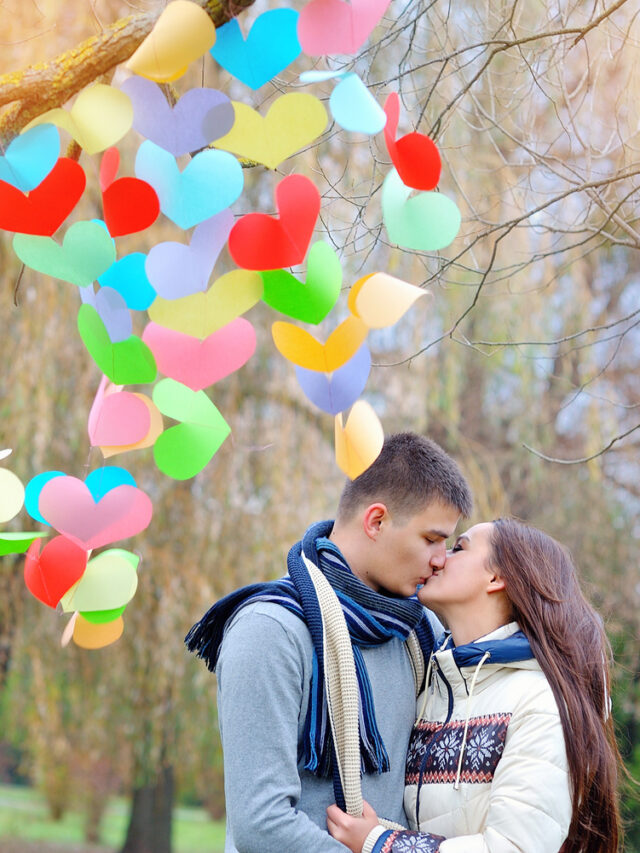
104	479
32	493
271	45
354	107
129	278
212	181
335	393
30	157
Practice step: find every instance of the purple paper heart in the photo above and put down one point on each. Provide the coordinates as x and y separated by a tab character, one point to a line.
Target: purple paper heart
176	270
114	313
337	392
199	117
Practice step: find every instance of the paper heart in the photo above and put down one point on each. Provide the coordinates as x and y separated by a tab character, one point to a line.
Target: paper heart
87	635
100	116
428	222
415	156
184	450
50	573
129	278
32	493
261	242
312	300
130	204
359	440
17	542
199	116
197	363
30	157
117	417
113	311
292	121
380	300
106	478
271	45
86	252
335	393
47	206
69	507
156	427
352	105
11	495
126	362
201	314
176	270
331	26
212	181
109	581
182	33
301	348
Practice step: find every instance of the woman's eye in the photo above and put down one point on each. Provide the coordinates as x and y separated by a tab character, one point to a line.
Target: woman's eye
457	547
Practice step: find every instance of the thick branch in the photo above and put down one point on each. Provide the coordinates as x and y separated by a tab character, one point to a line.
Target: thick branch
39	88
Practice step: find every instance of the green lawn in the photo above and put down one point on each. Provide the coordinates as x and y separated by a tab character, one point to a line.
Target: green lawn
24	815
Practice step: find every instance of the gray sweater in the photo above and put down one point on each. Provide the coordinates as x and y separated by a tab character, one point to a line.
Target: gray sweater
264	673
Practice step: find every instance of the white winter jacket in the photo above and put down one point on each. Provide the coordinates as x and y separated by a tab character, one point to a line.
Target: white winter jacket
487	768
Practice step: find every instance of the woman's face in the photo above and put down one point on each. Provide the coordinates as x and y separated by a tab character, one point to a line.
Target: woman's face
464	578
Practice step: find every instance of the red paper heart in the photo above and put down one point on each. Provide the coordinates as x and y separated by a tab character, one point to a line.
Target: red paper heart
415	156
130	205
261	242
48	575
46	207
109	166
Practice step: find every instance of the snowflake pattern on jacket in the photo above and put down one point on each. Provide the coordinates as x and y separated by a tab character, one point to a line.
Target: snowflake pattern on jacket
434	750
407	841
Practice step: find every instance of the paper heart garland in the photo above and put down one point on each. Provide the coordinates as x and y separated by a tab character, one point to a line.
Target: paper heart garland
87	635
380	300
271	45
292	122
109	581
212	181
128	362
127	275
67	505
182	451
30	157
87	251
49	573
17	542
427	222
199	364
11	495
336	392
130	205
198	117
46	207
117	417
332	26
301	348
359	440
261	242
415	156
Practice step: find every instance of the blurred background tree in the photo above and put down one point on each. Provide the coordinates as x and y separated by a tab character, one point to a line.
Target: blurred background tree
526	351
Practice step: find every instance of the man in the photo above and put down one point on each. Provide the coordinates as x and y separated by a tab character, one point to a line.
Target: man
266	647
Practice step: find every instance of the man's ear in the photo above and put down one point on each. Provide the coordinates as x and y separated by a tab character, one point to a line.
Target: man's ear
373	518
496	584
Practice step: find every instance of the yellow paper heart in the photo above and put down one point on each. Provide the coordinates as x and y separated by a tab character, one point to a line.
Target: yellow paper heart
201	314
293	121
380	300
156	426
182	34
100	116
359	441
88	635
301	348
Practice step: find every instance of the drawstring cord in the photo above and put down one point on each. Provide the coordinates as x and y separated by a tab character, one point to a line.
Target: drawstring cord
485	657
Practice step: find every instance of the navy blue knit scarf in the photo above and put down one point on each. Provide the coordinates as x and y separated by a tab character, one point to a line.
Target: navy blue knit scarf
372	619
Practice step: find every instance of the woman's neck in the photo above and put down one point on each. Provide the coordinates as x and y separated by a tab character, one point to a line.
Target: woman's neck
467	627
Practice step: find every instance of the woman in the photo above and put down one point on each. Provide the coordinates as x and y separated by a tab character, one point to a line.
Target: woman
513	749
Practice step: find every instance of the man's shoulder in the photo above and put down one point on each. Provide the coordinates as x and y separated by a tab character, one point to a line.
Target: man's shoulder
267	622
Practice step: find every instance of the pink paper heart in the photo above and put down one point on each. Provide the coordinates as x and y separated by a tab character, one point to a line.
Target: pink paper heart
197	363
333	26
117	417
67	505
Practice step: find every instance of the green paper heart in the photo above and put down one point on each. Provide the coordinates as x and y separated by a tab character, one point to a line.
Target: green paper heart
87	252
182	451
18	543
99	617
309	301
428	221
129	362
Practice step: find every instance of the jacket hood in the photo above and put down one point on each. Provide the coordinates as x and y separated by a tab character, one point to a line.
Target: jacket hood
506	646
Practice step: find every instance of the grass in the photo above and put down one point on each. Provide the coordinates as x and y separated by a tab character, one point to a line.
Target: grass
24	816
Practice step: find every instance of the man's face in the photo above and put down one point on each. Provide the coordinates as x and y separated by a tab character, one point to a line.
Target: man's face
408	549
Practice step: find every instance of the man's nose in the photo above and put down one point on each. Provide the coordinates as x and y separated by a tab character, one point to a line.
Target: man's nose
438	556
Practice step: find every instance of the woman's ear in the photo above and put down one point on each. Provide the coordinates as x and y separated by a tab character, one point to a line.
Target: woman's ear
496	584
373	518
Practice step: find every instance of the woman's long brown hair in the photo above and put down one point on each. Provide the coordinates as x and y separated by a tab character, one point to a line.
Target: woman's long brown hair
568	640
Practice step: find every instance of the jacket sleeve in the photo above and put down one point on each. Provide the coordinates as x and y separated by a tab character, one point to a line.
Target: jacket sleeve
529	803
260	689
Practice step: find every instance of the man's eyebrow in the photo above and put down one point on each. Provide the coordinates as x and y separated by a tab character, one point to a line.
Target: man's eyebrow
441	534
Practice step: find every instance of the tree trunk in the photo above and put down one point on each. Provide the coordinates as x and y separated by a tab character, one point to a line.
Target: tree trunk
151	812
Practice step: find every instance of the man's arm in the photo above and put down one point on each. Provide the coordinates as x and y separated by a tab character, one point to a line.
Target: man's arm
261	678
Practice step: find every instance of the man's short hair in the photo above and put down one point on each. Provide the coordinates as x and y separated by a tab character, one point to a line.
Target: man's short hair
411	472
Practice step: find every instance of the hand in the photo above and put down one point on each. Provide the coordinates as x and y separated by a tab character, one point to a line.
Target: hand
351	831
